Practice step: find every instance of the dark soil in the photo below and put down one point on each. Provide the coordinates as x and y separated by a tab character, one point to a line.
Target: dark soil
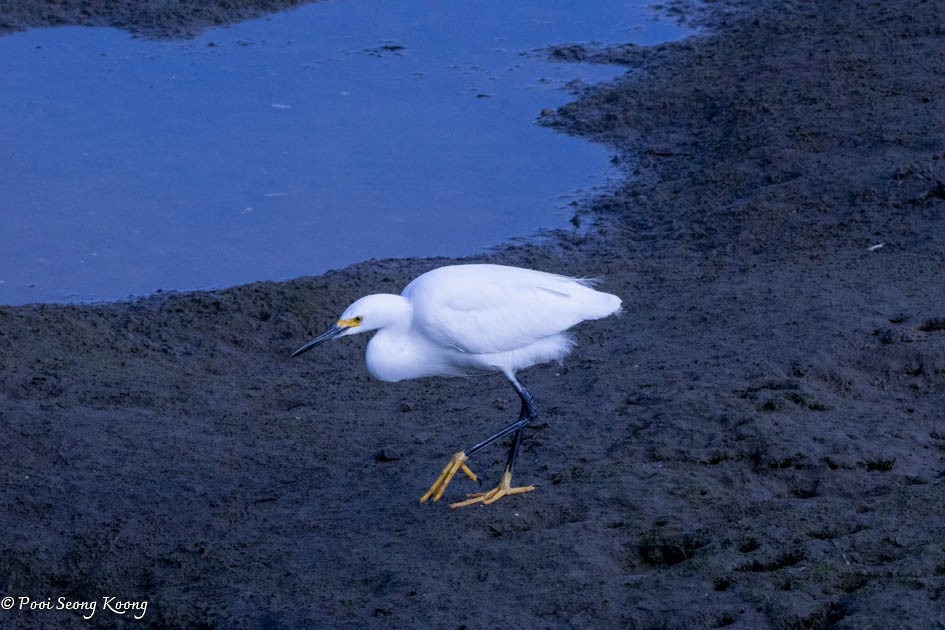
156	19
758	441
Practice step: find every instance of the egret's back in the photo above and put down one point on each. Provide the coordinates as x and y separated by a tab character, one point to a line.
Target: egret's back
488	309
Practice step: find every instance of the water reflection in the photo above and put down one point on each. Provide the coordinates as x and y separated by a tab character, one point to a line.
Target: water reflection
333	133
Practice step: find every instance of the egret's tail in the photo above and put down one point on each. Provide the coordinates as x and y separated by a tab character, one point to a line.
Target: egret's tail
597	304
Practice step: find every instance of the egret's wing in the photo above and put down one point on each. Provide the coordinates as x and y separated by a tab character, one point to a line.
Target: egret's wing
492	308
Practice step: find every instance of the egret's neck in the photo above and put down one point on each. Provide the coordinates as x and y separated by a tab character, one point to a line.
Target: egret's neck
391	353
395	312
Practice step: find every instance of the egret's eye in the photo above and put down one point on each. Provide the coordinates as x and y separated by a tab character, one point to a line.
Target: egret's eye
351	322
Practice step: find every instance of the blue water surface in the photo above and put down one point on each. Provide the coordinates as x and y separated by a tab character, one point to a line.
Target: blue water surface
314	138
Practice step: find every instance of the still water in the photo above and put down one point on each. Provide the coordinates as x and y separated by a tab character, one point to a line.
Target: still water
333	133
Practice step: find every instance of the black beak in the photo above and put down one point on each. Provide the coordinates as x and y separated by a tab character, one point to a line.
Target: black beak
328	335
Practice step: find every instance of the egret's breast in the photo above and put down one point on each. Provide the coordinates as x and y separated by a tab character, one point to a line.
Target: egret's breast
396	356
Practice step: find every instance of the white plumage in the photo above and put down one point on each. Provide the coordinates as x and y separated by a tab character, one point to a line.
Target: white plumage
491	308
469	319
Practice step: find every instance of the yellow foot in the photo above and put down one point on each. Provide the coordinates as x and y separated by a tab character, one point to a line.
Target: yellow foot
457	462
503	489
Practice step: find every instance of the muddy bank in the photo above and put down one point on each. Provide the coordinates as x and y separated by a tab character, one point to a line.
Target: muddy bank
757	442
153	19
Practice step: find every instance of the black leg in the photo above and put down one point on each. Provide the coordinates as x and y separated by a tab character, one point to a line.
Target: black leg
528	413
458	461
504	489
513	450
528	403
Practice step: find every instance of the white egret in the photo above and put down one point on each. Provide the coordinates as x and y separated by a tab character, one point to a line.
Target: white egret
463	320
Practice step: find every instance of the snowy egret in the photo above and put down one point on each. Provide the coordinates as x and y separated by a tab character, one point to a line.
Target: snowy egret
463	320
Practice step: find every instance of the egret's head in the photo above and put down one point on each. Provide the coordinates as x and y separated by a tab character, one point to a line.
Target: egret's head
369	313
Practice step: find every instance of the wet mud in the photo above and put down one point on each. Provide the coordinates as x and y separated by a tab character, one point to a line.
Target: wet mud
154	19
757	441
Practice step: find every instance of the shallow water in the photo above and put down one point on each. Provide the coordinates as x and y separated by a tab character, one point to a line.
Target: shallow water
311	139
